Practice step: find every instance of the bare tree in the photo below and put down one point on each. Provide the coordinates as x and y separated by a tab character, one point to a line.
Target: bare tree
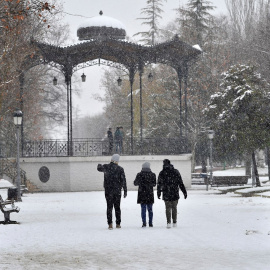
17	26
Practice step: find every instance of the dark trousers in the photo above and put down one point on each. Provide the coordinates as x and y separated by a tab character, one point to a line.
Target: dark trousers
110	146
113	201
150	212
171	211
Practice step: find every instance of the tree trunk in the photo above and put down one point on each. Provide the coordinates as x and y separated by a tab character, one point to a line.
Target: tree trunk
248	166
193	157
268	161
258	184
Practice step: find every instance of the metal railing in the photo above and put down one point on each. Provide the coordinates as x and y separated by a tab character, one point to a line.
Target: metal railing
8	167
101	147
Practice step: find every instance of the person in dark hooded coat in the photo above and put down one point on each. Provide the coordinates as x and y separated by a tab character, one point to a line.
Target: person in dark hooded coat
114	181
146	180
110	139
169	182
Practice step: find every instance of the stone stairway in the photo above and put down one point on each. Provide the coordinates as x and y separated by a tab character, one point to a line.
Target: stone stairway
8	167
31	187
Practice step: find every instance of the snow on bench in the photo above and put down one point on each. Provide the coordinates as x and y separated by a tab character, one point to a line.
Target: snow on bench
7	210
252	191
265	181
225	190
5	184
265	194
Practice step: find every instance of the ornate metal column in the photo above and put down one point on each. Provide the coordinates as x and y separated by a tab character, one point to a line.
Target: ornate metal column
141	113
67	80
186	107
180	77
70	117
131	81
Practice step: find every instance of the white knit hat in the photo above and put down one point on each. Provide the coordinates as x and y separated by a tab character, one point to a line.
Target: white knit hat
146	165
115	158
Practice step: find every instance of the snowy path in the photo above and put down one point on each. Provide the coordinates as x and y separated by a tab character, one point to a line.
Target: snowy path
69	230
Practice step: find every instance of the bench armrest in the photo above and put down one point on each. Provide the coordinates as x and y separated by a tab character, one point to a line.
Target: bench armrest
7	202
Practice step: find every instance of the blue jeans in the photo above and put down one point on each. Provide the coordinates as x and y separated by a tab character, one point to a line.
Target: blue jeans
118	147
150	212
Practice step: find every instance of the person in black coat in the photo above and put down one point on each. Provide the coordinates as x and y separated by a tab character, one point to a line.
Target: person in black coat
169	182
146	180
114	181
110	138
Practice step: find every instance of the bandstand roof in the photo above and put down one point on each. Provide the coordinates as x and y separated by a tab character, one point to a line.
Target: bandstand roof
174	53
101	26
101	21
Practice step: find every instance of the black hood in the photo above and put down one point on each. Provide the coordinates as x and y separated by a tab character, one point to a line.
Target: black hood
168	167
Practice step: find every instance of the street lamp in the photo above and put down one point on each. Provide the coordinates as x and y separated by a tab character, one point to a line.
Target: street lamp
211	134
150	77
119	81
17	118
83	77
54	81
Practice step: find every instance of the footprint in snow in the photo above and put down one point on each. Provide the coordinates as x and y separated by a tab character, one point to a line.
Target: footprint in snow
248	232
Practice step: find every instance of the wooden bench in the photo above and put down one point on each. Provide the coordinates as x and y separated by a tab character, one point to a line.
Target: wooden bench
229	180
199	178
8	210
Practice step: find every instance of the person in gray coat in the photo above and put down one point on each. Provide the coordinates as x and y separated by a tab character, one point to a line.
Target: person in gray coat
146	180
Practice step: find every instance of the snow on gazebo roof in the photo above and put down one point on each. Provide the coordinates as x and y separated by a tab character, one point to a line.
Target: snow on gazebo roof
101	26
102	21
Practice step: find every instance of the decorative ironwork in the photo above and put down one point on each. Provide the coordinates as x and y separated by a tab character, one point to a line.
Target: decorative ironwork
9	167
107	49
100	62
100	147
172	53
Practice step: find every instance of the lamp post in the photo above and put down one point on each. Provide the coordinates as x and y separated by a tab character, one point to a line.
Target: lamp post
150	77
54	81
17	118
119	81
83	77
211	134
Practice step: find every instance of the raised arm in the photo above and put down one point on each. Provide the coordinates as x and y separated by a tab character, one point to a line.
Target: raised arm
100	168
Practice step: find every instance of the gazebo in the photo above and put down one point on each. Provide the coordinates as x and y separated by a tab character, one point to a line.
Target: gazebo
103	42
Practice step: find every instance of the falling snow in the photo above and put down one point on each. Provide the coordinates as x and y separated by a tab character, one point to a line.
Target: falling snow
69	230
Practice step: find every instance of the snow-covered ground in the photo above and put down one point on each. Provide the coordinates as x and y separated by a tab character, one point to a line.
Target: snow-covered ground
69	231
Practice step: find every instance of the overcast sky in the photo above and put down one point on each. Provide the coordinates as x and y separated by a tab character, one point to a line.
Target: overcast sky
126	11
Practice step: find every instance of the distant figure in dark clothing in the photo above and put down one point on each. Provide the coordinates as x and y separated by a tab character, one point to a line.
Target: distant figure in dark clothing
110	138
117	140
114	181
121	139
146	180
169	182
